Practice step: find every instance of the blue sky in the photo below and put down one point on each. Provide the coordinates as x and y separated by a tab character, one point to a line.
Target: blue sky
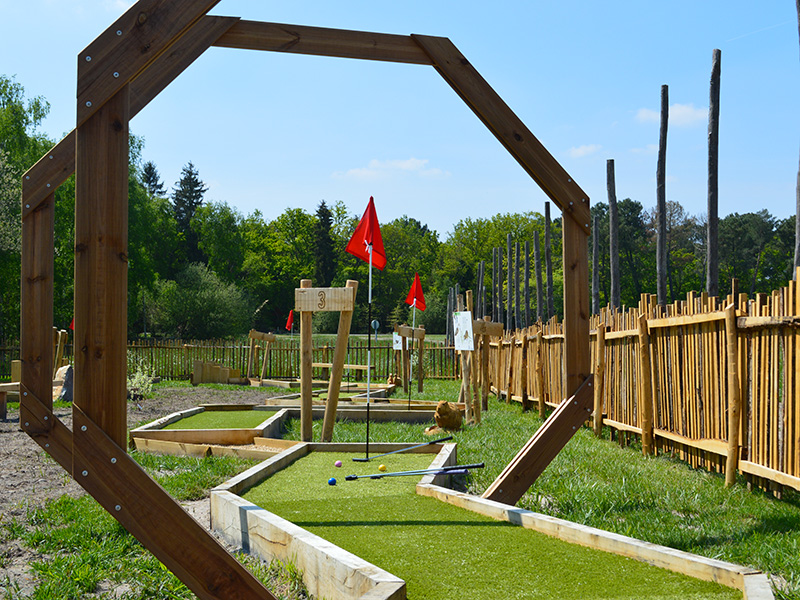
269	131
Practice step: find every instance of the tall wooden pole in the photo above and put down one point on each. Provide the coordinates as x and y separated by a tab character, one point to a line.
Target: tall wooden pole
599	375
548	259
101	267
797	201
645	388
517	266
527	284
596	265
537	266
613	235
661	201
509	283
306	403
712	227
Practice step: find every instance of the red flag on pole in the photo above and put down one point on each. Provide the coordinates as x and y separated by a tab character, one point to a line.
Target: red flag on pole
368	233
415	294
290	321
72	325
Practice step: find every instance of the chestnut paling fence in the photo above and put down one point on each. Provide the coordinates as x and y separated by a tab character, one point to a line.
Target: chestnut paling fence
682	377
672	376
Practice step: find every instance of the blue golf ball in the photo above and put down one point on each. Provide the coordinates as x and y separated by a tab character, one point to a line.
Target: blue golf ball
332	481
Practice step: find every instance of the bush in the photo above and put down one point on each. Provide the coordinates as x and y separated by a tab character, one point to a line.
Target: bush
198	305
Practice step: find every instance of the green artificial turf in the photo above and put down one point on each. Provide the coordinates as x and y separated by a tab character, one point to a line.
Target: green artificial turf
445	552
223	419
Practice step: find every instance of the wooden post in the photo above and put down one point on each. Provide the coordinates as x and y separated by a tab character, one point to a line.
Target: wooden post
599	375
339	355
537	266
463	392
613	235
596	265
523	375
101	267
251	357
485	338
16	371
548	259
421	361
646	399
540	392
509	285
661	201
306	419
517	314
712	226
734	401
527	284
472	368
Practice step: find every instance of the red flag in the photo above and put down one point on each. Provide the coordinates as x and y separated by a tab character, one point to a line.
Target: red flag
290	321
415	294
72	325
368	232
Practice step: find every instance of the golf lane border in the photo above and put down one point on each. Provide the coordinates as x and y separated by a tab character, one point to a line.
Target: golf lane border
331	572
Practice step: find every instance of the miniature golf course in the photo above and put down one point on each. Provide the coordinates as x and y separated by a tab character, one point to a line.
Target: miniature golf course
446	552
223	419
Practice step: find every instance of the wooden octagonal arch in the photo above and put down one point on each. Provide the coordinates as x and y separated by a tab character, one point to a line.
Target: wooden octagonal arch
128	65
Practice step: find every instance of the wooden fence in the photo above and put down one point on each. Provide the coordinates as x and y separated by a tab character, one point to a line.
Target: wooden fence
682	378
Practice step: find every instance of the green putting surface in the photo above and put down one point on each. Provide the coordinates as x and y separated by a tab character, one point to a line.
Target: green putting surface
445	552
223	419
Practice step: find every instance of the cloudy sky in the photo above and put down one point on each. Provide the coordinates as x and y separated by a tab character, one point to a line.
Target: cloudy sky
269	131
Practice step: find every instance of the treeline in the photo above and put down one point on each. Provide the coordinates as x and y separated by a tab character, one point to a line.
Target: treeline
198	268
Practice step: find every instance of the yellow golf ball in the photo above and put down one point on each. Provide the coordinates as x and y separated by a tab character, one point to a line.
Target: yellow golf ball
382	468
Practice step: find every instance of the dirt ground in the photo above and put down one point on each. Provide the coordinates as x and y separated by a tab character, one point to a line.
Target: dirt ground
29	477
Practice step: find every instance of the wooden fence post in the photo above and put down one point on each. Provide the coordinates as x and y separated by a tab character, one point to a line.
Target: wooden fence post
646	399
306	419
599	375
734	406
540	372
523	375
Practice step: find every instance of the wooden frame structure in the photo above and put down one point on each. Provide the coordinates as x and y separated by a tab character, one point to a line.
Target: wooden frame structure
412	333
119	73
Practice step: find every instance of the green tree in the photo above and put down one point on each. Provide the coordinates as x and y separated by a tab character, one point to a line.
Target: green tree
19	119
187	197
324	251
152	180
218	228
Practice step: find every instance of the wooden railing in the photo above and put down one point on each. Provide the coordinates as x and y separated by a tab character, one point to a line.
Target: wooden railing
675	375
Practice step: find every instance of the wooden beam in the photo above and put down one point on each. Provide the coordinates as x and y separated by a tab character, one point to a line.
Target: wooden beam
324	299
543	447
126	48
577	353
734	403
599	378
261	337
101	267
36	299
300	39
508	128
56	166
645	387
154	518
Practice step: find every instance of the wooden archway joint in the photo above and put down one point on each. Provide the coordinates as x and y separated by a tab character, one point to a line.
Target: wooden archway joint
39	422
134	41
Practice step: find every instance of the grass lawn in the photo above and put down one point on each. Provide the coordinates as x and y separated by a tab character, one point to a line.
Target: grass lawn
223	419
597	483
444	552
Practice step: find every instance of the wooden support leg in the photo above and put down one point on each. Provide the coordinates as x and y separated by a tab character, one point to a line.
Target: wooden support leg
3	408
306	418
339	355
543	447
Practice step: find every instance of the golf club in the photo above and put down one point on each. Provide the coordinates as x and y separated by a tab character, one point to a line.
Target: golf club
451	470
444	439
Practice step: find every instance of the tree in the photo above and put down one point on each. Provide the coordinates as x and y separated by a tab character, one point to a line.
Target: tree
18	122
324	251
186	199
152	180
218	228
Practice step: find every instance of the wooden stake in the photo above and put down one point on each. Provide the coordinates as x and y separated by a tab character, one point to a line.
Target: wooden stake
734	404
646	398
540	391
599	375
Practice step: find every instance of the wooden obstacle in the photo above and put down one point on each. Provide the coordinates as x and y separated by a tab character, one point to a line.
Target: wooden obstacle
211	372
119	73
255	337
307	301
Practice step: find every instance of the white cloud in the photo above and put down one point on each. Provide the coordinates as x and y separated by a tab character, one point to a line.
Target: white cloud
584	150
381	169
649	149
680	115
